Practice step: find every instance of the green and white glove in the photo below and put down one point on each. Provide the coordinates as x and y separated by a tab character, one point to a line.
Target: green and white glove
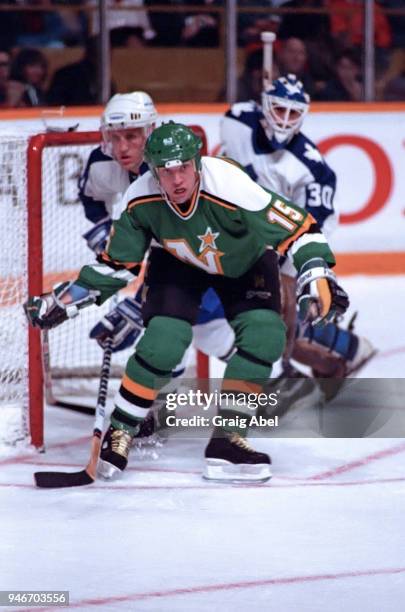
49	310
319	296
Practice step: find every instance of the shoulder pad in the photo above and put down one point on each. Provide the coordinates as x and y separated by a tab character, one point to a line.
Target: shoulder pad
98	155
242	107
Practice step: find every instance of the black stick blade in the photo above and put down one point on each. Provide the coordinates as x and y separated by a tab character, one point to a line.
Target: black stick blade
60	480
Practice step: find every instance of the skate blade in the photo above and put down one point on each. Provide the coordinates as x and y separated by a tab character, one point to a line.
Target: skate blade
220	471
359	366
108	471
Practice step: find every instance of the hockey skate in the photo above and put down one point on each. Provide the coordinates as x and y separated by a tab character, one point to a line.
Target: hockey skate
230	458
332	387
365	352
296	391
114	453
146	431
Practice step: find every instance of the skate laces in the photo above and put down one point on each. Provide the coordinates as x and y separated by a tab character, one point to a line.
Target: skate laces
121	442
241	442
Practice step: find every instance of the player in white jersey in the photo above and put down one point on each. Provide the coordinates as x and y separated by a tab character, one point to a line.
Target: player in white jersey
268	142
126	122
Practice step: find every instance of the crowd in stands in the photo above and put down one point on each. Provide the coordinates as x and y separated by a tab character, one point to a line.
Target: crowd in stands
325	48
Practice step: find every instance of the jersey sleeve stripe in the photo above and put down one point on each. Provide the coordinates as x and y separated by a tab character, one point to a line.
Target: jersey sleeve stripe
285	245
218	201
133	266
306	239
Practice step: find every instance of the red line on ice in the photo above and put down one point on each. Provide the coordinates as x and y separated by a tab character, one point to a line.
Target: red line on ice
228	586
394	351
29	456
351	465
137	469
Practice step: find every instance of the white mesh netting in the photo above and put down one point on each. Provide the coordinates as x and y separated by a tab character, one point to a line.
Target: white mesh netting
13	288
72	354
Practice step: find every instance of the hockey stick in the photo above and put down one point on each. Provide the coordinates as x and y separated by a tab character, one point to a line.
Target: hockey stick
58	480
268	39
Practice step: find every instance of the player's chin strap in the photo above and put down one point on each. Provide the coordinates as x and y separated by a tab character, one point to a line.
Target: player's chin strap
194	196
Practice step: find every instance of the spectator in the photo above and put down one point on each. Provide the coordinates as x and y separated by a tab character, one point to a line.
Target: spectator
347	24
292	58
391	84
120	15
11	92
201	29
250	84
346	85
168	26
314	30
347	29
395	89
307	26
10	24
251	25
42	28
78	83
127	37
30	67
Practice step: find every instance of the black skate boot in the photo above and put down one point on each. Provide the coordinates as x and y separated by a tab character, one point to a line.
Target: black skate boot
147	428
229	457
114	452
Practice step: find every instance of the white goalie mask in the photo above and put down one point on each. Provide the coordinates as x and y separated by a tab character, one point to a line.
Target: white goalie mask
284	107
126	111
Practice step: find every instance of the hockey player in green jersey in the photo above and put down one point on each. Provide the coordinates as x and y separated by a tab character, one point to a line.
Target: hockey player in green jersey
217	228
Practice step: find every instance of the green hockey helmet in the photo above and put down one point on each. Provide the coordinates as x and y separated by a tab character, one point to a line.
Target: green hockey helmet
170	145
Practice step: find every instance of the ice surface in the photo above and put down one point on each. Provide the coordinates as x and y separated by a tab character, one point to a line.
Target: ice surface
326	534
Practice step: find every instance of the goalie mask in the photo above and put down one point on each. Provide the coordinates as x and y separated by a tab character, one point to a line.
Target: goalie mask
284	107
127	111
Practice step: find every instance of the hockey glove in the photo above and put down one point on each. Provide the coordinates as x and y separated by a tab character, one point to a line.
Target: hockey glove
123	324
318	294
49	310
97	236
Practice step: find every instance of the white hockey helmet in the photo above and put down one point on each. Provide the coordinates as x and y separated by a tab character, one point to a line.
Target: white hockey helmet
129	110
284	107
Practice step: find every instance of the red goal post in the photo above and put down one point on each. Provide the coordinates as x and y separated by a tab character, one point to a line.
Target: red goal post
54	161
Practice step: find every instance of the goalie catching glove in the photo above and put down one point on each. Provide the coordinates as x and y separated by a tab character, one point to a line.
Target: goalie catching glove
123	324
97	236
49	310
318	294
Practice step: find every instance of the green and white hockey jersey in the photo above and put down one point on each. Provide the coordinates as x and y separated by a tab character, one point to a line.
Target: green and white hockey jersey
224	229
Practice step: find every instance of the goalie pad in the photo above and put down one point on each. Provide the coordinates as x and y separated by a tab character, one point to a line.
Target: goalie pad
97	236
49	310
123	324
319	296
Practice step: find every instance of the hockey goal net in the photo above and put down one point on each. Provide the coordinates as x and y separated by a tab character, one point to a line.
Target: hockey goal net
41	228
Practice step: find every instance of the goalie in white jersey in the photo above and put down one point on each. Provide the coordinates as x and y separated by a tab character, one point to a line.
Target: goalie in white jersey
267	141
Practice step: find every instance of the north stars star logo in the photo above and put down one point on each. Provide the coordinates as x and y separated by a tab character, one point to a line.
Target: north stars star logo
208	240
209	258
